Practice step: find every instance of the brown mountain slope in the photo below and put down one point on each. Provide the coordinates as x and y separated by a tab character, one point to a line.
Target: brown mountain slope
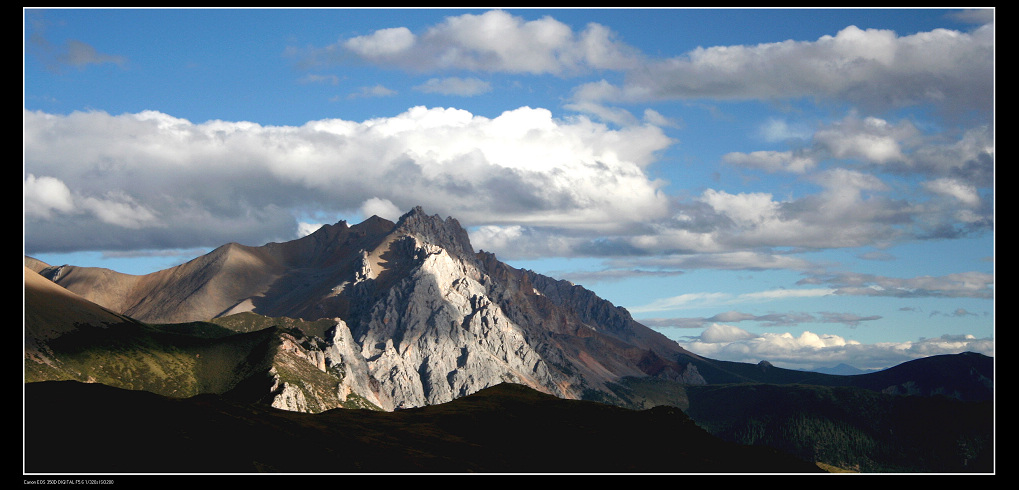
277	279
51	310
197	290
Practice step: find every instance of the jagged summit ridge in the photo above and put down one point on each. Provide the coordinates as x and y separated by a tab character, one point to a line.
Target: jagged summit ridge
447	234
428	318
329	240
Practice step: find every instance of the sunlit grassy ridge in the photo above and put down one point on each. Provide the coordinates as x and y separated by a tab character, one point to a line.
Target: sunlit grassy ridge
166	361
238	354
250	322
319	387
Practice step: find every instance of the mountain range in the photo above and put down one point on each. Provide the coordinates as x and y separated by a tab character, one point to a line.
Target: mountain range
841	369
391	317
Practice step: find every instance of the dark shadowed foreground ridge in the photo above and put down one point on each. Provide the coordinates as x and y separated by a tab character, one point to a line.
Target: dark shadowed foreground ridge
506	428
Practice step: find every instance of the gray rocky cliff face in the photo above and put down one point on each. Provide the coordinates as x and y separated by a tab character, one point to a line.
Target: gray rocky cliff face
314	374
343	356
286	396
429	320
431	336
436	335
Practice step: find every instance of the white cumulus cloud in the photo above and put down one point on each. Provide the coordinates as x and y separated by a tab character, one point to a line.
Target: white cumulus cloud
382	43
383	208
219	177
45	195
495	41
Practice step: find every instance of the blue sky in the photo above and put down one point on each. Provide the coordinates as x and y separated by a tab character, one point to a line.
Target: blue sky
807	187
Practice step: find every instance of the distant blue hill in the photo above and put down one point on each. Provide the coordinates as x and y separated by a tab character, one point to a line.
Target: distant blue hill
842	369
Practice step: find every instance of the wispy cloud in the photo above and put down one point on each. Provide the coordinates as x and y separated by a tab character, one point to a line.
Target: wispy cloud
372	91
75	54
766	320
718	299
466	87
71	53
956	285
328	79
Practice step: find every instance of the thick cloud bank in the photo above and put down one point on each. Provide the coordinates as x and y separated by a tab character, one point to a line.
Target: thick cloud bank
175	183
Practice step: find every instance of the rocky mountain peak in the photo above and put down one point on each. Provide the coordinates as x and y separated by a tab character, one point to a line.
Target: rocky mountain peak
429	320
444	233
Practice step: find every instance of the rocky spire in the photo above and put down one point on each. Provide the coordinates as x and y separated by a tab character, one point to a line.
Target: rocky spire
447	234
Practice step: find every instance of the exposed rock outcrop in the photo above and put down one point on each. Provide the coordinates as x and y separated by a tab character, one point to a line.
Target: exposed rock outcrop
314	374
436	336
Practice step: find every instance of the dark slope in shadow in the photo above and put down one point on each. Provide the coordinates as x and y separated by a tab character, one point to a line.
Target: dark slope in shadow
72	427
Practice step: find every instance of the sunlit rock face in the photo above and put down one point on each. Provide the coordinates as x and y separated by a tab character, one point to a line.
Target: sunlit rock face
436	335
437	321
